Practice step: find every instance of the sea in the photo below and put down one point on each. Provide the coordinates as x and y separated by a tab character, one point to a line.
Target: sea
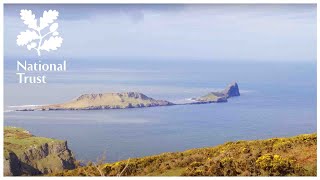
278	99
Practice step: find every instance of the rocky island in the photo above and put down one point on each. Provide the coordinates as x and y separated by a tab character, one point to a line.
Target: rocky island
106	101
25	154
132	100
221	96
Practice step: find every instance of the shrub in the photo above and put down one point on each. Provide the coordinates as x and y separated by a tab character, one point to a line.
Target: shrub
271	157
275	165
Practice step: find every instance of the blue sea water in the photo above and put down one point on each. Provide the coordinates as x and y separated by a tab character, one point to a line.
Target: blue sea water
277	99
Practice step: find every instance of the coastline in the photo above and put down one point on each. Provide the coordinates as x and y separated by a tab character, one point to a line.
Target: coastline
278	156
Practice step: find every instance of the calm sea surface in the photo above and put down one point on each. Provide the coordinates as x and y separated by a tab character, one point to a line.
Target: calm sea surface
277	99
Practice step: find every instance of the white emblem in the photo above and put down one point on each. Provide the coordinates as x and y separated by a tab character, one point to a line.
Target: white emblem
35	37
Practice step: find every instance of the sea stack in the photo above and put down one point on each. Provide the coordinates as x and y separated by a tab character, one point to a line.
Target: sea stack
232	90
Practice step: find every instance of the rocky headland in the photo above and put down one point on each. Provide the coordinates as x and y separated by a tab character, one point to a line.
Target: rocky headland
132	100
220	96
25	154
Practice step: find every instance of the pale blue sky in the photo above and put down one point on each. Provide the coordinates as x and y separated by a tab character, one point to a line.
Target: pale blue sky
206	32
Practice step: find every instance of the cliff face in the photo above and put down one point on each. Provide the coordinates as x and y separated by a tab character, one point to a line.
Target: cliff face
26	154
108	101
232	90
221	96
12	165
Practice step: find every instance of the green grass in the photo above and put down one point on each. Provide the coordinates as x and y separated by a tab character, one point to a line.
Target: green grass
209	97
19	140
293	156
213	96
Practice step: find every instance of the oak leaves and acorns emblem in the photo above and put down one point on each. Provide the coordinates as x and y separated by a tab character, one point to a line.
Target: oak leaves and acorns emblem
42	34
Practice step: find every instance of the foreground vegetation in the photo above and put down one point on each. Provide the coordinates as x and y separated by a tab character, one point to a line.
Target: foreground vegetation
293	156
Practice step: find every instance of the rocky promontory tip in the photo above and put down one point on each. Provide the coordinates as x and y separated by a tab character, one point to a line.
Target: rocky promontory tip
220	96
232	90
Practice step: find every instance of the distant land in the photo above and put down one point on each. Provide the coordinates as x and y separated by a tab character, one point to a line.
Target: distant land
132	100
220	96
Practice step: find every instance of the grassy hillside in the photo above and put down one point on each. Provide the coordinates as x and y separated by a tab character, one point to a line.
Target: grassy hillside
293	156
109	101
213	97
19	140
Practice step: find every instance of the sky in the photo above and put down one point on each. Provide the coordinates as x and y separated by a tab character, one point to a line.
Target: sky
181	32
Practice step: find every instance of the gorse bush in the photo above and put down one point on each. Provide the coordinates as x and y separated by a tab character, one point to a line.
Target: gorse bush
275	165
271	157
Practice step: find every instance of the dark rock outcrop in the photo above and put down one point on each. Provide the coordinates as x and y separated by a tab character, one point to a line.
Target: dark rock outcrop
12	165
221	96
231	90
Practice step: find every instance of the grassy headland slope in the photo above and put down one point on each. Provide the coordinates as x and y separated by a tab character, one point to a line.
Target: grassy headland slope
25	154
293	156
108	101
